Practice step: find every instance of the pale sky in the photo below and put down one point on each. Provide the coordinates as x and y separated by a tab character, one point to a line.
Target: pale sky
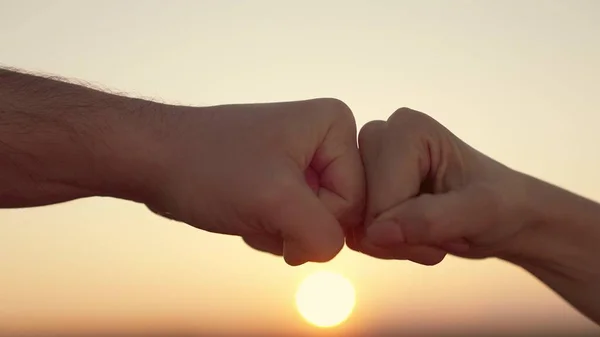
518	80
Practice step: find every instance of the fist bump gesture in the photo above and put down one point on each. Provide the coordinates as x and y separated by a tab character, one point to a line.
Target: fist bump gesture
291	179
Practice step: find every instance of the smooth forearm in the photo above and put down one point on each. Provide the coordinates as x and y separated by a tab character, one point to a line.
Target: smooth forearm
60	141
561	246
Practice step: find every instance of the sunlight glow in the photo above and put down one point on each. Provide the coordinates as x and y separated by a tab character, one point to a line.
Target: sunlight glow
325	299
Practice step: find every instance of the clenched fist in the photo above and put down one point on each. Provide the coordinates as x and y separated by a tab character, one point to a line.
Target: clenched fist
430	194
287	177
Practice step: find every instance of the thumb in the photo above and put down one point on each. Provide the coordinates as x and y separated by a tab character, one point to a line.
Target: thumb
309	231
433	220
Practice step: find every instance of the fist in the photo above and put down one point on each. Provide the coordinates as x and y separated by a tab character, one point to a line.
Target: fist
287	177
429	194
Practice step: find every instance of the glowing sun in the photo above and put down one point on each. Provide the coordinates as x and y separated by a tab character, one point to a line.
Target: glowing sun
325	299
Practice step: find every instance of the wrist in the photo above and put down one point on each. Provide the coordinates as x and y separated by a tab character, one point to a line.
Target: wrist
132	157
559	245
109	150
560	233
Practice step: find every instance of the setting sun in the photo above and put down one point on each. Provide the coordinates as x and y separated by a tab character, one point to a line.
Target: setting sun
325	299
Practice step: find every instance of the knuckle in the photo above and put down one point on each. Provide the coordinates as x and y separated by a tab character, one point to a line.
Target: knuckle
411	119
404	113
338	109
369	129
335	104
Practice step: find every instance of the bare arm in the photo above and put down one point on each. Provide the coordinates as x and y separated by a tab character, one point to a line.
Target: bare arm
60	141
561	247
231	169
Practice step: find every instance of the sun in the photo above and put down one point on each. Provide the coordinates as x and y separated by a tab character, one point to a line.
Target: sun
325	299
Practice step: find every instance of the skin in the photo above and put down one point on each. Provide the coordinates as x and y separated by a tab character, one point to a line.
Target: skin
287	177
430	194
290	179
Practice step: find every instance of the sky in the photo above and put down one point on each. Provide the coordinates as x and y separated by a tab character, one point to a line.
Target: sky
516	79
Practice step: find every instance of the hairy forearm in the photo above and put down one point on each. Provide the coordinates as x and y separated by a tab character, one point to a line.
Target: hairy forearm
561	247
61	141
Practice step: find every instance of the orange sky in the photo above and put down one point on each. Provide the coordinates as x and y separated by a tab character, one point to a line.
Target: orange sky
484	69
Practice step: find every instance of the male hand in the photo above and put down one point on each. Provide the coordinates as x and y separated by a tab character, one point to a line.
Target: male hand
287	177
429	193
